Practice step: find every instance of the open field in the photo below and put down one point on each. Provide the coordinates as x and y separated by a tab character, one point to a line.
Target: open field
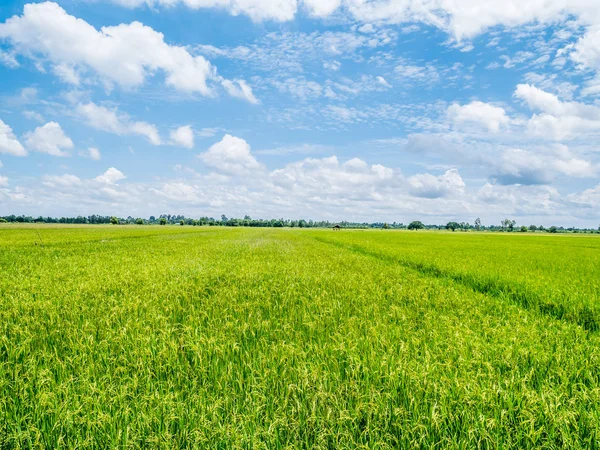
177	337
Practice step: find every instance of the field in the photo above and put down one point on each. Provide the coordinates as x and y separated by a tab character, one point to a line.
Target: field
202	337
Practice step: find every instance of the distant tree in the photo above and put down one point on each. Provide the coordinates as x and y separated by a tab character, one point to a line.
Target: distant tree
523	229
508	224
139	221
416	225
532	228
541	228
3	220
477	224
385	226
452	226
114	220
552	229
163	221
181	222
152	219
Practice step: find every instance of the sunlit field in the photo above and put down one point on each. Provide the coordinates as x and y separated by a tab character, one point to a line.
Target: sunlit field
211	337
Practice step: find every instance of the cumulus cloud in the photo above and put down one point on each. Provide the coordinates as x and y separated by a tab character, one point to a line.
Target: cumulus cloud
113	121
327	176
50	139
431	186
589	198
3	181
231	155
464	19
556	118
125	54
183	136
321	8
479	113
111	176
9	143
587	49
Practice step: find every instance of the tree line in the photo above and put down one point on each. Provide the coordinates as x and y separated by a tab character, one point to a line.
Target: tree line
506	225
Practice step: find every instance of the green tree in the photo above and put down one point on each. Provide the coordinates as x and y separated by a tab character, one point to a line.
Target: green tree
386	226
163	221
553	229
114	220
523	229
532	228
416	225
477	224
181	222
452	226
139	221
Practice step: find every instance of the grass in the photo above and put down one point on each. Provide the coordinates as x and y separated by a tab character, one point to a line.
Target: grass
181	337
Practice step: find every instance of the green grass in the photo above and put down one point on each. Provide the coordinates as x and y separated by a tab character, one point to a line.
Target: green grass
181	337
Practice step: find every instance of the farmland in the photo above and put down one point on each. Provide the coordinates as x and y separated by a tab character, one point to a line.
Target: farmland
211	337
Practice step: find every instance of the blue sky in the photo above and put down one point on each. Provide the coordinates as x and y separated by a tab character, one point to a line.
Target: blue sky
392	110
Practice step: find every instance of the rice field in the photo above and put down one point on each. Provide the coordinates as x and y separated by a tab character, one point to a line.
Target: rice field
210	337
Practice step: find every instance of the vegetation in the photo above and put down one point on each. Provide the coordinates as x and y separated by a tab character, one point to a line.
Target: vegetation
507	225
416	225
186	337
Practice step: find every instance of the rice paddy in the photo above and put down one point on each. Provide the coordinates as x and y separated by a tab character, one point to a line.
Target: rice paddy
187	337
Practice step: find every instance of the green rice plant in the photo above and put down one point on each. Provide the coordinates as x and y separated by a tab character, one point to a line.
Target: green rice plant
187	337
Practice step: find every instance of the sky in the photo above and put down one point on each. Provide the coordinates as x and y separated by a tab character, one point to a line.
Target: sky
360	110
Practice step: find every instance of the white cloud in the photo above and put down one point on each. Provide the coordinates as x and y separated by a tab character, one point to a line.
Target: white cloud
519	200
383	82
8	59
231	155
257	10
94	153
327	176
558	119
426	73
125	54
61	180
300	88
239	89
183	136
479	113
50	139
3	181
430	186
9	143
32	115
111	176
113	121
589	198
67	74
587	49
321	8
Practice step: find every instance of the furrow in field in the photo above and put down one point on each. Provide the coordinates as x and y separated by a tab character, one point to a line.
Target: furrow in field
581	315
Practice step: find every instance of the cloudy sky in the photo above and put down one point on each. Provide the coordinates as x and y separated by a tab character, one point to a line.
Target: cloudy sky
365	110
